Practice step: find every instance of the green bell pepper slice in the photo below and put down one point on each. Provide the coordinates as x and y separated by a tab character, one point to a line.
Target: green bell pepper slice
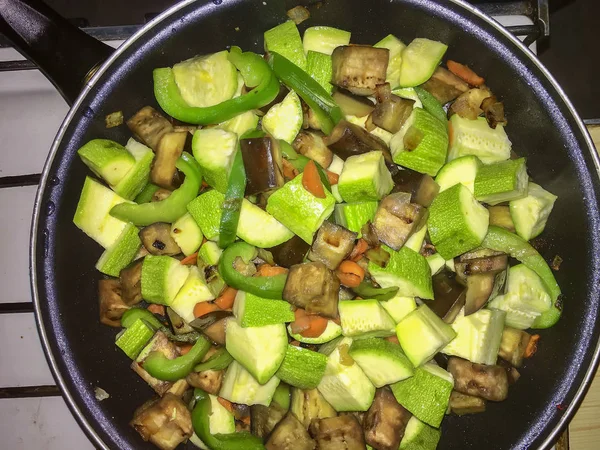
266	287
234	441
162	368
232	205
218	361
368	291
169	209
256	74
503	240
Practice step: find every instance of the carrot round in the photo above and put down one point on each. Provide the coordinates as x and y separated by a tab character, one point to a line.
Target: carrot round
465	73
190	260
225	404
350	274
157	309
184	349
359	249
317	325
532	346
332	177
312	181
267	270
227	298
203	308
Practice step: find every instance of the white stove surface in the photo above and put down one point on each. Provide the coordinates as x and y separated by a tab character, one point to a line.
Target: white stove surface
31	112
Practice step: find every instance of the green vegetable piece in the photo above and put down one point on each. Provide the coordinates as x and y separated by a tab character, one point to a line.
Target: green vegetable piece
162	277
354	215
530	214
146	194
134	314
220	422
285	40
242	123
399	307
107	159
284	120
436	263
282	396
318	66
332	331
187	234
367	290
415	241
324	39
475	137
169	209
365	318
302	368
256	74
419	61
137	177
133	339
259	228
215	150
162	368
194	290
365	177
121	253
210	253
267	287
501	182
461	170
206	211
420	436
299	210
230	215
253	311
382	361
431	105
218	361
239	386
396	47
426	394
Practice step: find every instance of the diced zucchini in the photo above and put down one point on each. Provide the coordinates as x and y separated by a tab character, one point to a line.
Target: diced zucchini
259	228
302	368
436	263
365	318
239	386
285	40
241	123
253	311
121	253
419	61
420	436
284	120
324	39
501	182
365	177
107	159
382	361
461	170
396	47
354	215
135	338
318	66
475	137
162	277
332	331
214	149
187	234
220	421
382	134
137	177
415	241
399	307
531	213
210	253
193	291
206	211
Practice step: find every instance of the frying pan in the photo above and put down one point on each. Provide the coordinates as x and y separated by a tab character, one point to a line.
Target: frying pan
544	127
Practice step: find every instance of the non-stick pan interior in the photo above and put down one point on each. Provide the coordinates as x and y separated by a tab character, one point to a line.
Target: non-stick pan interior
541	127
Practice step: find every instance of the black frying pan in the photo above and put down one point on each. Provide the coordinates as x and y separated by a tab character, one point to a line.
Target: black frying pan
543	126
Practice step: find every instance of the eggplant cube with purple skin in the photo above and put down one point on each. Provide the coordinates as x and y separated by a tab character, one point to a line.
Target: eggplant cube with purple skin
397	219
314	287
332	245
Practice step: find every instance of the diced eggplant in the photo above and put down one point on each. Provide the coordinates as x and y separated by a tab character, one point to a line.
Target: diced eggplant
378	256
216	331
170	148
157	239
264	418
391	111
289	434
309	405
348	139
468	104
513	345
488	382
359	68
385	421
247	269
335	433
131	283
353	105
160	195
445	86
213	325
461	404
397	219
159	343
263	165
290	252
311	145
489	264
494	111
422	187
149	126
370	235
310	119
449	296
112	306
513	375
179	326
241	412
314	287
500	217
358	415
213	279
166	422
207	380
482	288
332	245
479	252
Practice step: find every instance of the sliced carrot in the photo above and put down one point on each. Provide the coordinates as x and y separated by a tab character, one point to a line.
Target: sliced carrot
301	321
226	299
295	343
312	181
246	420
183	349
465	73
204	184
450	131
350	273
317	325
190	260
359	249
531	346
157	309
225	404
203	308
392	339
267	270
289	171
332	177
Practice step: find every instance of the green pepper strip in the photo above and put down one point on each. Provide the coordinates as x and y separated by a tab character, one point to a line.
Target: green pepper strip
234	441
218	361
169	209
366	290
159	366
233	201
315	96
133	314
266	287
254	69
502	240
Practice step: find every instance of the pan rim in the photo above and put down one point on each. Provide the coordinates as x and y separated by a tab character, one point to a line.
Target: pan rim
43	333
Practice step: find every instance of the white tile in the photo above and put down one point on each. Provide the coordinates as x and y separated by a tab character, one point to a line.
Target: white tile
16	207
39	423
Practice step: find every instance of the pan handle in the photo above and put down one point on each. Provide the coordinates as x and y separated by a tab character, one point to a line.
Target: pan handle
66	55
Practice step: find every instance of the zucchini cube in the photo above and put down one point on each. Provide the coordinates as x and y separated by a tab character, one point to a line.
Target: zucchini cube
365	177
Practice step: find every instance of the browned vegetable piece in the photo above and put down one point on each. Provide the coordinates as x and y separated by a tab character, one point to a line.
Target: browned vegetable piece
462	404
358	415
166	422
131	283
449	296
513	375
289	434
378	256
482	288
314	287
333	243
310	119
290	252
264	418
352	105
513	345
160	195
500	217
490	264
157	239
216	331
168	151
245	268
312	146
336	433
479	252
359	68
494	111
114	119
207	380
445	86
348	139
468	104
159	343
309	405
112	306
385	421
178	325
298	14
263	165
391	111
422	187
396	219
488	382
149	126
